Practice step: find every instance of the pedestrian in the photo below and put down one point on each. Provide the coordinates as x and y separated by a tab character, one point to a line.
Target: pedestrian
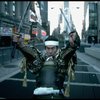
51	66
93	41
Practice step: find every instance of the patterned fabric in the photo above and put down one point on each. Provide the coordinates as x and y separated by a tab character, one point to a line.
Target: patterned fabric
62	60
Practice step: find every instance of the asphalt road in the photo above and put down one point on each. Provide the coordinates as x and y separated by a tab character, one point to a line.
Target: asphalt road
86	85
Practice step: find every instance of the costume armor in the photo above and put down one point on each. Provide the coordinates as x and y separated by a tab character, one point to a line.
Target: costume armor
50	72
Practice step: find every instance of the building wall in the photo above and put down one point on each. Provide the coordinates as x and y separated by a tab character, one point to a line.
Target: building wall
44	10
44	15
93	27
10	19
12	12
99	22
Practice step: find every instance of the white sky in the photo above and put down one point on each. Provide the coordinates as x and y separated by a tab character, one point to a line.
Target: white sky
53	13
77	14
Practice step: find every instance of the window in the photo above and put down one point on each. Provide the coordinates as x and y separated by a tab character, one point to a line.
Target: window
13	8
92	7
6	8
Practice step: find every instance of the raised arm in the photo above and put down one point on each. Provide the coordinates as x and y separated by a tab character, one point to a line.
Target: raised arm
74	40
30	53
73	45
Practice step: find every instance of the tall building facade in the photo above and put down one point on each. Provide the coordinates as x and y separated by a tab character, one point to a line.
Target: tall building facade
19	16
91	22
11	13
44	16
98	34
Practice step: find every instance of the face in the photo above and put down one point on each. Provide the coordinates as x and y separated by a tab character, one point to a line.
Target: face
51	50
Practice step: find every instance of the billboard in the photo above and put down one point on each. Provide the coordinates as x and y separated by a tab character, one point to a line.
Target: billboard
5	31
32	16
35	31
27	37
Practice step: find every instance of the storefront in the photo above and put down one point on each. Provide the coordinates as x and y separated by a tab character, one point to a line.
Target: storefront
5	36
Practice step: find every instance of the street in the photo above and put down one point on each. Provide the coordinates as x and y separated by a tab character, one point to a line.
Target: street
86	84
34	22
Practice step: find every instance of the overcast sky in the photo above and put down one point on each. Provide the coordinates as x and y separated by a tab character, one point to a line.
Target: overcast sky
77	11
53	11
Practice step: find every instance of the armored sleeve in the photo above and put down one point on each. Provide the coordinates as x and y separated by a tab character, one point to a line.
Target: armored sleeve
77	41
67	53
30	53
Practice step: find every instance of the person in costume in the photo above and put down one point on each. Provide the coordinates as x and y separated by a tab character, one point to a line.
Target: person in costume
51	66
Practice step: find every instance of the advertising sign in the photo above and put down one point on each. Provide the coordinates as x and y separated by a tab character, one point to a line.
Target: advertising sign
34	31
26	37
32	16
5	31
43	33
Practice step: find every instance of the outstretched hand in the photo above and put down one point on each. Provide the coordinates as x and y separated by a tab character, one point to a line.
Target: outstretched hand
15	37
72	38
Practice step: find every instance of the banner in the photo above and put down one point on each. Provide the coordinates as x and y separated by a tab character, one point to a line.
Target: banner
5	31
32	16
27	37
43	33
35	31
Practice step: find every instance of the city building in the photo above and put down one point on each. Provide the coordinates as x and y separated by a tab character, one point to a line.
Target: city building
91	29
11	15
23	17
